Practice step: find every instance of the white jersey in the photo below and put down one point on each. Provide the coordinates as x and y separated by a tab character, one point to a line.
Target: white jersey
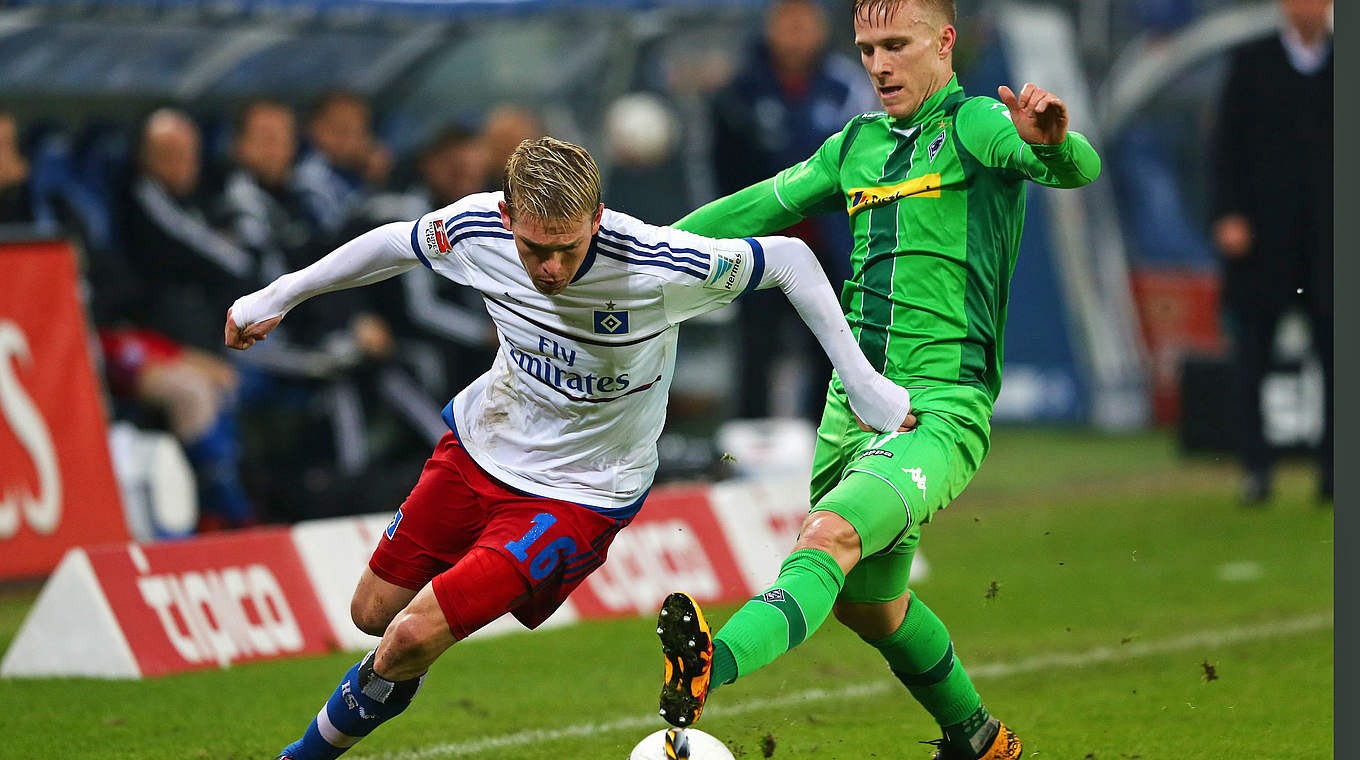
576	398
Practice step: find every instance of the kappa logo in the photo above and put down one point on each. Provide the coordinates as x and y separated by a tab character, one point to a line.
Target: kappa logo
773	595
877	453
934	149
917	477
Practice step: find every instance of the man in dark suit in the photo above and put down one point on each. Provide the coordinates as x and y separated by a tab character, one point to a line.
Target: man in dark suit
1273	212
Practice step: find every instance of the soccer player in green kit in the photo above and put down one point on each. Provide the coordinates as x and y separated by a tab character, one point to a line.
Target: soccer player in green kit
934	187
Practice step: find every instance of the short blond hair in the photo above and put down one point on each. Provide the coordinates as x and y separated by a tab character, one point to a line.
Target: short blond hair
552	181
886	8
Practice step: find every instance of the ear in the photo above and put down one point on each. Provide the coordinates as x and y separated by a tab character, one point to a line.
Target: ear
595	223
505	215
948	35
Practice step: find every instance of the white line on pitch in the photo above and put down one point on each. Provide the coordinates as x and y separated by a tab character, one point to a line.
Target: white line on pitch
1306	624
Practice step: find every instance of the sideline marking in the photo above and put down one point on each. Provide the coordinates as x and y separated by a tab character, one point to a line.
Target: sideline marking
1305	624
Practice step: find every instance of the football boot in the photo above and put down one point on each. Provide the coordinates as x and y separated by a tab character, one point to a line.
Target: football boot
687	643
1005	746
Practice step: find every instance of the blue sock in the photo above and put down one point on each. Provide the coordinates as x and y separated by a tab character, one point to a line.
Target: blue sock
361	702
216	457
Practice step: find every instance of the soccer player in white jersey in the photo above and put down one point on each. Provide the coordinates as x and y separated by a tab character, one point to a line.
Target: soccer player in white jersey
552	451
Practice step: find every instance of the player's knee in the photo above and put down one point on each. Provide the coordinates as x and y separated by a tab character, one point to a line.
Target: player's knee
410	637
831	533
872	620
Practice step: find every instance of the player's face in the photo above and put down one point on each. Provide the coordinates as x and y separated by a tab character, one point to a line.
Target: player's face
551	251
908	52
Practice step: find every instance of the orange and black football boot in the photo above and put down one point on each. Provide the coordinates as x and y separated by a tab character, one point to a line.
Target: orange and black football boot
687	643
1006	746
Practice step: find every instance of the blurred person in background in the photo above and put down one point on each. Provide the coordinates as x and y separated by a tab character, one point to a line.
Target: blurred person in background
16	198
1272	205
506	125
791	94
345	160
552	451
445	333
152	300
935	187
260	202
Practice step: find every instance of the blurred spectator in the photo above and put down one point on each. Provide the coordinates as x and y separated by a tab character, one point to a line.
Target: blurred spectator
648	178
177	276
1273	210
444	331
193	270
260	202
505	127
16	199
344	161
791	95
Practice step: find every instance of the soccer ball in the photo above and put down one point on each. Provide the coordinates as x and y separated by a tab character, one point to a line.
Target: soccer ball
681	743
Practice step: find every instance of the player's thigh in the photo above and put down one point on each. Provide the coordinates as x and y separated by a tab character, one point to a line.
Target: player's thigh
436	525
376	602
837	438
480	588
924	468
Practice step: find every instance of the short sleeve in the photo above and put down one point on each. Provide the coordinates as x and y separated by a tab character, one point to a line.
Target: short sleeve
735	267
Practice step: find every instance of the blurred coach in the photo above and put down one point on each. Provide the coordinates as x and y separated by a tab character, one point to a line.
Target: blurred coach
1273	213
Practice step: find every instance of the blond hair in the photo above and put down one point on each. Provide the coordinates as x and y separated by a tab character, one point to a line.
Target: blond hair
886	8
552	181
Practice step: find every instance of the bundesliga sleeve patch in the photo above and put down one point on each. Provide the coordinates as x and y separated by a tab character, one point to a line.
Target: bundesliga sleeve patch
726	272
435	239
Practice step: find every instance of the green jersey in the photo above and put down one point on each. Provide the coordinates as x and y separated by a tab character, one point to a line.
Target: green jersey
936	204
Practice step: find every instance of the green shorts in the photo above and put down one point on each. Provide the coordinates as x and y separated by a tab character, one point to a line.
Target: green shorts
888	485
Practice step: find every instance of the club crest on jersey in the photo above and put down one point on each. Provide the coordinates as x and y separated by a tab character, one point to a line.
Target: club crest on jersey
726	272
861	198
611	321
934	149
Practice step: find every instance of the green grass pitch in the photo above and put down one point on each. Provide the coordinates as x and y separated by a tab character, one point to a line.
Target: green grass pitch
1092	586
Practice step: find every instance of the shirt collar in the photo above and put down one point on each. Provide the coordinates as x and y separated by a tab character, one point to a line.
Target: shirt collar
1306	59
932	105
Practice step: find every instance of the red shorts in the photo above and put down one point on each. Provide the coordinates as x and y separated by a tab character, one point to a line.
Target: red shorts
127	351
551	545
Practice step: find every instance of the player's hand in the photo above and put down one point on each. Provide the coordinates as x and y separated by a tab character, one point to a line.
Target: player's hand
1232	236
1039	116
241	338
907	425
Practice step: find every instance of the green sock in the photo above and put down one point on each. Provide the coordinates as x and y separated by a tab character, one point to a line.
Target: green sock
922	657
778	619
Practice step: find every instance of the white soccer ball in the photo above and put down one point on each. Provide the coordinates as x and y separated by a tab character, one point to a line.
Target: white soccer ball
687	742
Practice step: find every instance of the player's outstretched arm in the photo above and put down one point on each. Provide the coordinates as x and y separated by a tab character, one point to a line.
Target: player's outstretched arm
1028	134
877	401
373	256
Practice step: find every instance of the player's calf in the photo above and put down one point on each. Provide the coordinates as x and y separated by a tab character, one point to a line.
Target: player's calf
361	702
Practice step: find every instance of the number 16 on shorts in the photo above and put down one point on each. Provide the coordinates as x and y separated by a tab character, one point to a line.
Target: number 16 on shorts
547	557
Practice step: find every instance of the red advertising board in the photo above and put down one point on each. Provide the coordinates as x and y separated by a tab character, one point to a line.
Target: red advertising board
212	600
57	488
675	543
1178	311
